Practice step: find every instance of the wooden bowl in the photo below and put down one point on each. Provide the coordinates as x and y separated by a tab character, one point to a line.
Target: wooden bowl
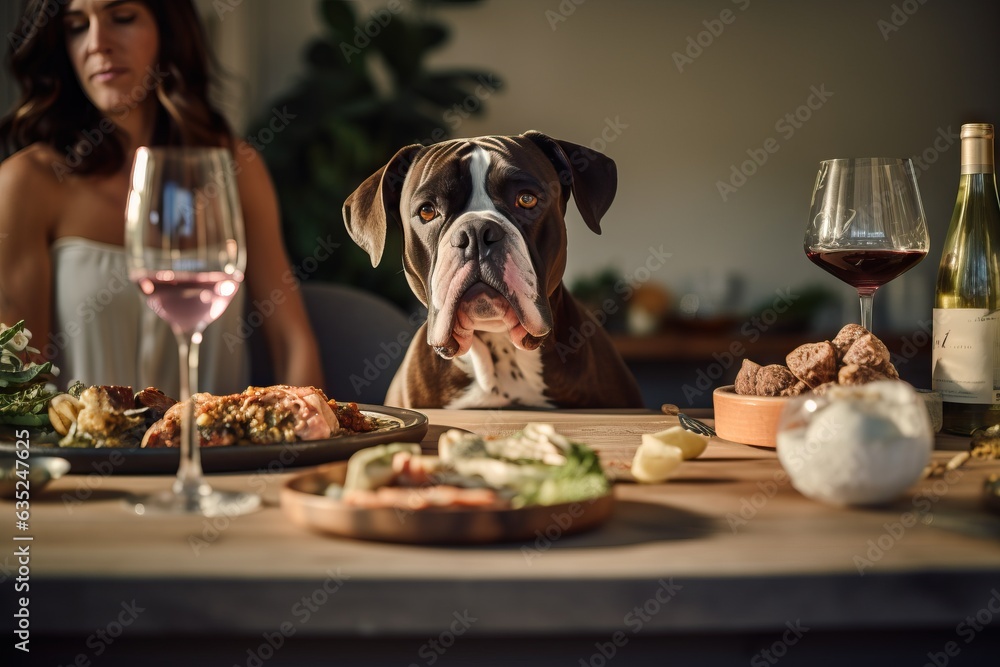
753	420
750	420
304	501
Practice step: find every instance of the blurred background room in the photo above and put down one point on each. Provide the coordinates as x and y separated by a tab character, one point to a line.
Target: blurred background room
717	114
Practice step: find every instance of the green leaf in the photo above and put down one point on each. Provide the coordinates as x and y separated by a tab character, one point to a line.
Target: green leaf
26	420
441	92
21	377
28	407
325	55
13	364
471	77
432	36
9	334
401	47
339	17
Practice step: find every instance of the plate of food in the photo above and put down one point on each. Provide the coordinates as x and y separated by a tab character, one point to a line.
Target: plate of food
473	491
110	430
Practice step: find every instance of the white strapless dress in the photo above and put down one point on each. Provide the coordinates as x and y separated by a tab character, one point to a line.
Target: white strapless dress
105	333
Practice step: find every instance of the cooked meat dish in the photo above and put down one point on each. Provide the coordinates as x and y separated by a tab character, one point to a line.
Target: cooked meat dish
111	416
107	416
157	402
261	416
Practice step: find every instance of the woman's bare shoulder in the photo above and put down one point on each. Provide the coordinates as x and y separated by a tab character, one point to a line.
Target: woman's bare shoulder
38	166
31	184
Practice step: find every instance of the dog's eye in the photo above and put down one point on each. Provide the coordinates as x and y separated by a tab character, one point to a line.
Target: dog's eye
527	200
428	212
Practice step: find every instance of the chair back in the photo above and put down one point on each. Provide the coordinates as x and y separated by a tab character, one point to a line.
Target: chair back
362	340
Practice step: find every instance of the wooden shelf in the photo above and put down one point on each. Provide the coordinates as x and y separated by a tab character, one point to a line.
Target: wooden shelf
695	346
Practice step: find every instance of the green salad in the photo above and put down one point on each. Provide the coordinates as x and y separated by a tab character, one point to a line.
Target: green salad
25	386
535	466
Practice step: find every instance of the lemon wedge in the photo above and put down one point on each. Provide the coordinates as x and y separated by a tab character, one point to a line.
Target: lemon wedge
655	461
691	444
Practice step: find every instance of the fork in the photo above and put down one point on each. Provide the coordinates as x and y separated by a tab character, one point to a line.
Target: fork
688	422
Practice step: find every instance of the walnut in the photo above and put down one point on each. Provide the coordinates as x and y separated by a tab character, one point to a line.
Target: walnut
746	379
773	379
796	389
846	337
813	363
823	388
855	356
853	374
867	351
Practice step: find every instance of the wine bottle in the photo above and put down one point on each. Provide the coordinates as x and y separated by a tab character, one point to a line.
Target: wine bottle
965	361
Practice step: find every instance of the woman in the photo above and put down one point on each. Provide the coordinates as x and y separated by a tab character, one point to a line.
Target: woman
100	78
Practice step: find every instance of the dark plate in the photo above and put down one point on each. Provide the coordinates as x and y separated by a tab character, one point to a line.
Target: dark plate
238	458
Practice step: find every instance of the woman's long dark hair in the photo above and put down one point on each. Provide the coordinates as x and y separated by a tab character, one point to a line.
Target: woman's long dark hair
54	110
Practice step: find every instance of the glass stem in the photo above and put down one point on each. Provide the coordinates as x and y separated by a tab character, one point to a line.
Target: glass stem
190	483
866	308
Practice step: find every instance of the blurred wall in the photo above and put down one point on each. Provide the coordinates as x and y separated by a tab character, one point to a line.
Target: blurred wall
10	13
682	94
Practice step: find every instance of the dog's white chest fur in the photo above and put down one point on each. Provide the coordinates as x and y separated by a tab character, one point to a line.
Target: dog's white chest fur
501	375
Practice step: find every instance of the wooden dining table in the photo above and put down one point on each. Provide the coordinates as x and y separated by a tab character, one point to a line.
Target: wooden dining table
726	563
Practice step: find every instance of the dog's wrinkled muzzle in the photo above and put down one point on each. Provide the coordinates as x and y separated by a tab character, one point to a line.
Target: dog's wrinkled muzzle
475	305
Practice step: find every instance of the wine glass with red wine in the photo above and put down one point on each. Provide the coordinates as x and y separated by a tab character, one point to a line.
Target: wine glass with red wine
866	223
185	251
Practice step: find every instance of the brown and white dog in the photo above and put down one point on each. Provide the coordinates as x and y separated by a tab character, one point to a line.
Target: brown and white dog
485	249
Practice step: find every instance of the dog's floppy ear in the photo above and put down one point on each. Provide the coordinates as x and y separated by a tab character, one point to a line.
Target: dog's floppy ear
369	209
592	176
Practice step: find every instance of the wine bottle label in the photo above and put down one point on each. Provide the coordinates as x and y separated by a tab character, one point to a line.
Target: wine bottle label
964	360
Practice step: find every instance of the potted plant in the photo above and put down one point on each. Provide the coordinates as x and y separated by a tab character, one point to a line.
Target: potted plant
366	93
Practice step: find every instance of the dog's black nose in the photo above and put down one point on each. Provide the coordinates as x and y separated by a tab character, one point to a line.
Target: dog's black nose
476	238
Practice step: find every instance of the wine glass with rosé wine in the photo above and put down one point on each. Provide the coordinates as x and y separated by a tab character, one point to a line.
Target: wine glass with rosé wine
185	250
866	223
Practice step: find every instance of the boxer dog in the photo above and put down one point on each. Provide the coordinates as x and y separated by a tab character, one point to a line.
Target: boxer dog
484	248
